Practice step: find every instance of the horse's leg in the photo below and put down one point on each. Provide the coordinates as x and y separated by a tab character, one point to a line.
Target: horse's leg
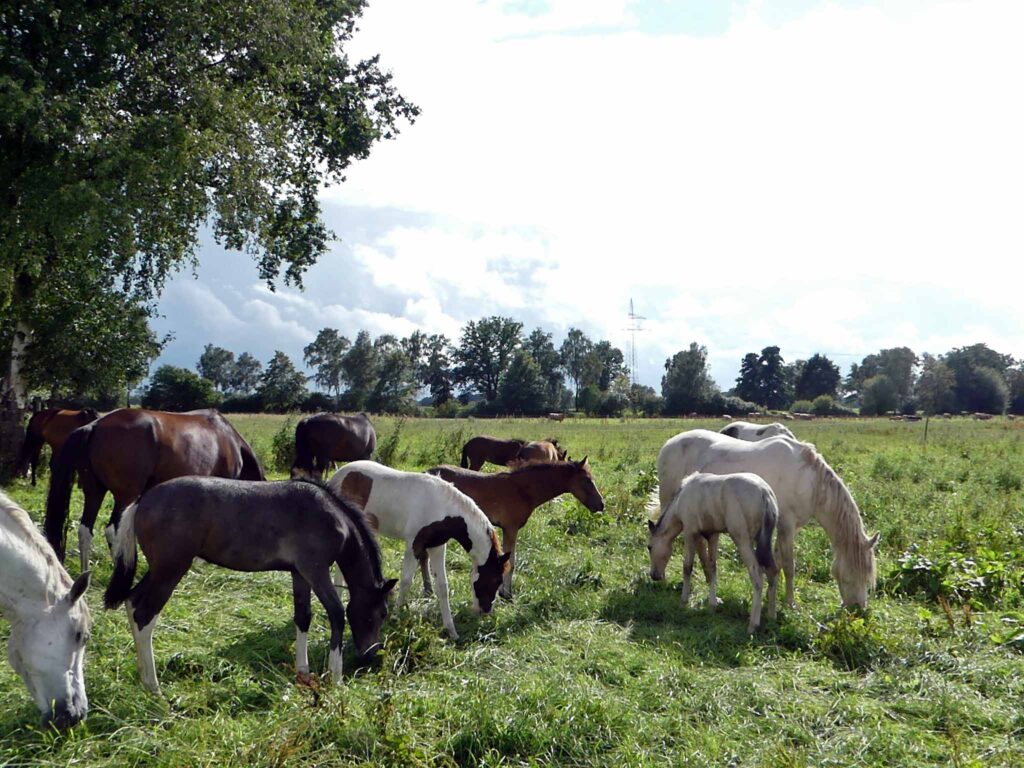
773	588
702	555
115	519
303	614
328	595
408	571
508	543
425	572
691	546
746	552
94	493
436	555
713	600
785	556
144	604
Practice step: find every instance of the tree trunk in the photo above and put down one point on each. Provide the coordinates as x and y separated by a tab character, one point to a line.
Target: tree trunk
13	400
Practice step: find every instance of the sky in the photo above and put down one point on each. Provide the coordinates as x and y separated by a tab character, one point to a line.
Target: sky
827	176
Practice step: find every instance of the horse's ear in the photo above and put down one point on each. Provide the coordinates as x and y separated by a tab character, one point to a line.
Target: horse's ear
873	541
78	588
584	462
651	525
388	586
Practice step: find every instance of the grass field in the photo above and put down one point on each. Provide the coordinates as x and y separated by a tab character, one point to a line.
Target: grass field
593	664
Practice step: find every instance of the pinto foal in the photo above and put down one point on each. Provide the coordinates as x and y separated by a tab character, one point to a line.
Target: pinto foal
741	504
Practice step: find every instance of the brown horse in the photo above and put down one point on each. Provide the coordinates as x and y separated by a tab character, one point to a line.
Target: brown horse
51	426
482	448
541	450
130	450
509	498
327	437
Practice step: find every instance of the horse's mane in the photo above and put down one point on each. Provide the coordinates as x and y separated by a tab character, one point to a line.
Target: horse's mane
832	494
27	538
664	513
358	519
473	514
534	464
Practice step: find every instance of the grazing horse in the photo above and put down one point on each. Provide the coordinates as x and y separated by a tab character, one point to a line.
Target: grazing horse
509	498
52	426
741	504
49	620
482	448
300	527
426	512
130	450
327	437
805	486
744	430
541	450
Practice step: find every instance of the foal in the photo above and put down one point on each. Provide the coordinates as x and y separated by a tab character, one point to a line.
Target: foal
509	498
426	512
706	505
291	526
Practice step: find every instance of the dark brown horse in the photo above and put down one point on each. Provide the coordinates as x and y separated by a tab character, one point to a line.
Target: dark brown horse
541	450
328	437
130	450
482	448
509	498
51	426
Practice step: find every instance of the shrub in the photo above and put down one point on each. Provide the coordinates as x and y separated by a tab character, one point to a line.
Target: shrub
282	450
179	389
735	406
822	405
878	396
802	406
316	402
242	404
387	449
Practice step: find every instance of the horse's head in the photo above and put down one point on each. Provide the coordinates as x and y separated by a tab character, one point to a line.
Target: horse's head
488	577
582	486
48	653
659	544
366	611
855	573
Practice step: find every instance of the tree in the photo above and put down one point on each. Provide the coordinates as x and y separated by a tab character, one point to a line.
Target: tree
574	353
643	399
773	384
878	396
1015	383
973	390
282	386
543	351
818	376
898	364
326	355
126	129
247	374
395	376
934	387
610	364
485	352
522	388
989	391
217	365
360	369
179	389
748	385
435	372
687	385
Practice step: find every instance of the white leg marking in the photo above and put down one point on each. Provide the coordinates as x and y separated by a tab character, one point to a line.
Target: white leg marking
84	547
436	556
409	565
301	655
334	661
144	652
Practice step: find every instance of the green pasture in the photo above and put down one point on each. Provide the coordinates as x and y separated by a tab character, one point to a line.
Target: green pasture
593	664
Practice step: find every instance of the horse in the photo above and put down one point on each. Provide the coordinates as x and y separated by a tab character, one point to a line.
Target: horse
300	527
482	448
327	437
741	504
509	498
426	512
52	426
540	450
49	620
805	487
129	451
744	430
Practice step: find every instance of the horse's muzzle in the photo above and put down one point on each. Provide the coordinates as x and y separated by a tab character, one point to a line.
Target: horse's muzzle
64	717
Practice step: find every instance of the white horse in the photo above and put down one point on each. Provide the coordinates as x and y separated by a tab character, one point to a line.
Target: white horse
426	512
49	620
744	430
706	505
805	486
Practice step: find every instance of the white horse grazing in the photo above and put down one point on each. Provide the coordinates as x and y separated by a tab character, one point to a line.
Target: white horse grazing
49	621
744	430
705	505
426	512
805	486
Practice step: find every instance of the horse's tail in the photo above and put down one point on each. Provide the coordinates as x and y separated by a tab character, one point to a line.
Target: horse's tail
464	463
251	469
125	561
769	517
653	502
70	458
304	458
28	456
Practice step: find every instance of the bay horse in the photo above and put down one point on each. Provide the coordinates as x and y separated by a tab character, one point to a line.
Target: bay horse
299	527
509	498
482	448
744	430
541	450
426	512
49	620
130	450
805	486
51	426
328	437
742	505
